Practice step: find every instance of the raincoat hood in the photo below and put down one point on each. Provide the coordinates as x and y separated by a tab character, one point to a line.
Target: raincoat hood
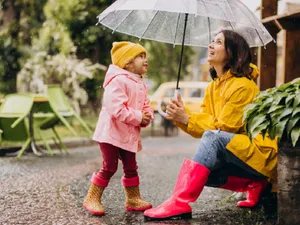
254	74
114	71
255	71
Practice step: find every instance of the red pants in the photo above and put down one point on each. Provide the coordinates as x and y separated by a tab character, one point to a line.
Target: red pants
110	156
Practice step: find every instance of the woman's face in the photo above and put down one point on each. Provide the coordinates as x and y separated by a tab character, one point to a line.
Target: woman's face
216	51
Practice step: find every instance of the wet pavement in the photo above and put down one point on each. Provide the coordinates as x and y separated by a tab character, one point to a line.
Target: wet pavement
50	190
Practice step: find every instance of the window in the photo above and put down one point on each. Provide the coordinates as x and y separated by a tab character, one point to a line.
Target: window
170	93
196	92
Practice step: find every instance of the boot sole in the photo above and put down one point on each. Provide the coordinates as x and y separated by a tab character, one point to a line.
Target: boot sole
184	216
92	211
138	209
246	205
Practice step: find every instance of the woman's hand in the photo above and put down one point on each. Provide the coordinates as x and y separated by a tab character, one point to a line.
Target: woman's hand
176	111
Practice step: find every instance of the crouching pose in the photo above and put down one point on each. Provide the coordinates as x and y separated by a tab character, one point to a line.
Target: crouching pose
226	157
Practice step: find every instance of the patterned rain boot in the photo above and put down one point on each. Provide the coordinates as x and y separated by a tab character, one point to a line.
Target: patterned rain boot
134	201
92	202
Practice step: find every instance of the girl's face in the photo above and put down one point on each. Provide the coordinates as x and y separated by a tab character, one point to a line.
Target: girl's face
216	51
139	65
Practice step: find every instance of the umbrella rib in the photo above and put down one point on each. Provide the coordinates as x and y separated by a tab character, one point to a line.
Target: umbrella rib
148	25
99	21
177	24
254	27
151	20
230	11
225	15
260	38
208	23
122	21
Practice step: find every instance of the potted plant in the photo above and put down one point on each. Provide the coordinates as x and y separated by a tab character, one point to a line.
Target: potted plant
276	111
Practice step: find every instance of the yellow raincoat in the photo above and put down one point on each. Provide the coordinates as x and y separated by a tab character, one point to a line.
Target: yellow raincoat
222	108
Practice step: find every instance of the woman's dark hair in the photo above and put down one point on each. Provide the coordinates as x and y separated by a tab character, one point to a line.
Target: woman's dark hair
238	55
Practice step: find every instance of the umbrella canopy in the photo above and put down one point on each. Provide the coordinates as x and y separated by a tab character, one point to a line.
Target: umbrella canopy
184	22
163	20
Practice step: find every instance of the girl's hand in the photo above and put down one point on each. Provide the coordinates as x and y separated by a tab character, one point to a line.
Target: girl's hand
146	117
176	111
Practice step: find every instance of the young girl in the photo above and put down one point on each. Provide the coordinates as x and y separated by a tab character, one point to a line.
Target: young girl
125	109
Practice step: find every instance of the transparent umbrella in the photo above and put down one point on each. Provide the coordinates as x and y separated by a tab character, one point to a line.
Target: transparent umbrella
184	22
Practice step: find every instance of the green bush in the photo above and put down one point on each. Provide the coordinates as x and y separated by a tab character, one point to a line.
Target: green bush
68	71
276	111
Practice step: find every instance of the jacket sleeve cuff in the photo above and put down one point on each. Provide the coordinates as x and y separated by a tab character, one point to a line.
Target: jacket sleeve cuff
138	115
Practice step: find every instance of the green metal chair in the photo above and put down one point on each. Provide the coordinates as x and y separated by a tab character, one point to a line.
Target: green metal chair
62	109
44	127
14	122
44	122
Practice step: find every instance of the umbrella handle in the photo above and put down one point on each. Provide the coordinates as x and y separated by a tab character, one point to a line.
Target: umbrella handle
160	111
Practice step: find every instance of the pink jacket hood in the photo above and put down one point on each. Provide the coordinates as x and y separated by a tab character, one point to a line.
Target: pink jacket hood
114	71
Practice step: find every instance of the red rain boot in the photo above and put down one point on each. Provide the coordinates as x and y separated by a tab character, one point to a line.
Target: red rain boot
190	183
253	187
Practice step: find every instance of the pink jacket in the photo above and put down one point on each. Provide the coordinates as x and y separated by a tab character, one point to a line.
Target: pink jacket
124	99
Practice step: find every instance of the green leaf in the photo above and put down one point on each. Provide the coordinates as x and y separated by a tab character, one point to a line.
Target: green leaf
279	114
295	81
248	110
274	108
292	123
289	99
285	112
264	94
264	132
266	105
296	111
256	121
274	122
291	89
250	117
278	97
280	127
250	107
297	100
272	133
260	128
284	86
295	134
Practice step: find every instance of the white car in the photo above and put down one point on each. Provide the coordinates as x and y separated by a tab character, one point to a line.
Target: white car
192	93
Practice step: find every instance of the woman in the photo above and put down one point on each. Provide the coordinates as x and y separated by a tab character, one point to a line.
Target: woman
226	157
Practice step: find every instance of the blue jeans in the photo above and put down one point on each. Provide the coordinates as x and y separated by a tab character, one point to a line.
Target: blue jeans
212	153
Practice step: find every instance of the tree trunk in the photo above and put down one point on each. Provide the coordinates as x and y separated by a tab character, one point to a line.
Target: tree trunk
288	184
9	14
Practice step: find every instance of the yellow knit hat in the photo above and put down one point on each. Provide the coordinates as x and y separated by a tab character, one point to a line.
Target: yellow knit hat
123	52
